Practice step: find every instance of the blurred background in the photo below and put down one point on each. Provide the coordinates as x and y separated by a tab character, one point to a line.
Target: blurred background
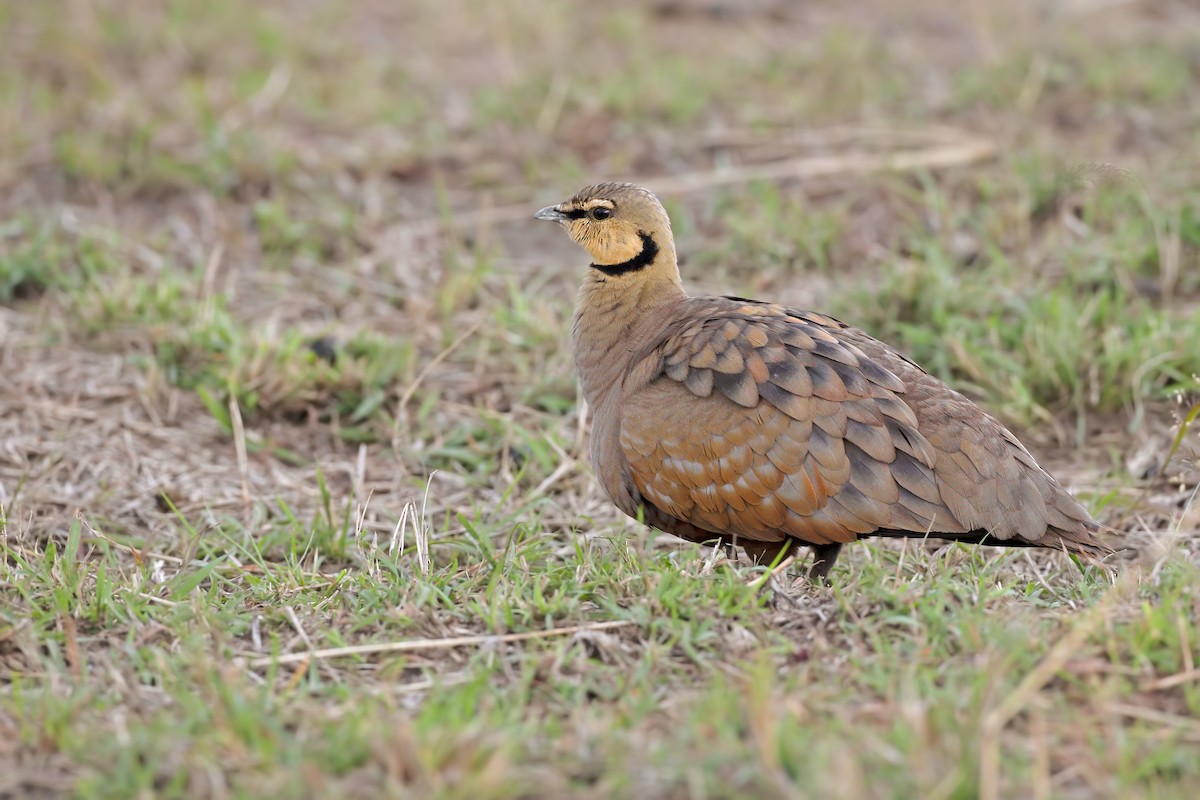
206	190
266	266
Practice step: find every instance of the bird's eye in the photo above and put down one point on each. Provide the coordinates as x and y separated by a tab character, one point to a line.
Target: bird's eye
600	212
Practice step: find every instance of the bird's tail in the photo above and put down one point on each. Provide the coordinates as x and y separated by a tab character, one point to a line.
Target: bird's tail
1083	541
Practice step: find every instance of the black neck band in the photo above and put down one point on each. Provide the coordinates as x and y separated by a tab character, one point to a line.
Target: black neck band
644	258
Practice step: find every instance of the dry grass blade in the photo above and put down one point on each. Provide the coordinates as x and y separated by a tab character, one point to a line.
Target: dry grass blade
968	150
1171	681
239	442
402	403
998	718
421	530
762	580
414	645
1188	725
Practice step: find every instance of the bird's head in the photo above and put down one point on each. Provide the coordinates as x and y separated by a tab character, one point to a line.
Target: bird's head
622	227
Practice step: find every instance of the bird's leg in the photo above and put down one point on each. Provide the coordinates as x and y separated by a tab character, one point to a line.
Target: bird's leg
824	557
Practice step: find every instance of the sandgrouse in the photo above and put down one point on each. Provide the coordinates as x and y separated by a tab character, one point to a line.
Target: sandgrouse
767	427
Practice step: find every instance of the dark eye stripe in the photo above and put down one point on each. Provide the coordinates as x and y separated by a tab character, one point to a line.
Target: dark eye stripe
577	213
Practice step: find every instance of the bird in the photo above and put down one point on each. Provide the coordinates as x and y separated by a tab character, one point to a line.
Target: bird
768	427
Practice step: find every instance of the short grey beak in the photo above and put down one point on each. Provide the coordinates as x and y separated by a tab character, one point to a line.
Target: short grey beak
551	214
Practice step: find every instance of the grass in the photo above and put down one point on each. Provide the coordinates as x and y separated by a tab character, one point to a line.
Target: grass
770	687
293	486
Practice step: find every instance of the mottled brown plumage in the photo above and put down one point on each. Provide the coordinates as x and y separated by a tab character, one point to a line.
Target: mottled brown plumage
719	417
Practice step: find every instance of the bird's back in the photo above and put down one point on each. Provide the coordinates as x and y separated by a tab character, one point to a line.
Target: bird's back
761	422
